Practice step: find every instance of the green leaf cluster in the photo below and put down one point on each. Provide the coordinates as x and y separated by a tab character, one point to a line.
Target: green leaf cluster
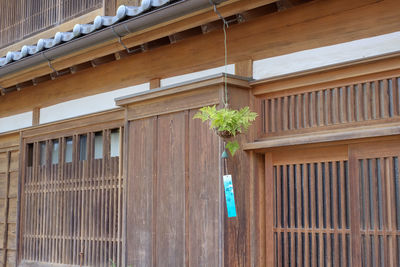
225	119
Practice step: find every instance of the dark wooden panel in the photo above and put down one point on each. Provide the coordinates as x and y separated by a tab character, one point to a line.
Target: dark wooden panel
203	195
140	192
170	195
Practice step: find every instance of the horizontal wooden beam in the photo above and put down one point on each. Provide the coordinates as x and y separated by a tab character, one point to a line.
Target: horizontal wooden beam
138	38
76	125
316	24
328	136
8	140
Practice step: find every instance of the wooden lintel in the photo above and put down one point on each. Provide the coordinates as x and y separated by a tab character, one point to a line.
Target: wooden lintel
323	137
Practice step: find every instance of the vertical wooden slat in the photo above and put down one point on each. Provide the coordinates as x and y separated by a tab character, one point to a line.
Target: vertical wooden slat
292	113
355	206
286	212
292	184
285	113
395	89
279	212
271	115
279	114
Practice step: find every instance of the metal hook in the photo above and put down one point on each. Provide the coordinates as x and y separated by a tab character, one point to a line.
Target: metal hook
129	51
50	65
219	14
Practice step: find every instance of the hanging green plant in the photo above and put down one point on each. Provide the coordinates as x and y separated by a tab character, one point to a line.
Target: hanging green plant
227	123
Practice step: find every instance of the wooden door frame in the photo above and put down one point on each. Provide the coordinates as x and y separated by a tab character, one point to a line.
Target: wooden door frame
349	150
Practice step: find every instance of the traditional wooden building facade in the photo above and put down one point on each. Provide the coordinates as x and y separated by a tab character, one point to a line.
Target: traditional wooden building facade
139	183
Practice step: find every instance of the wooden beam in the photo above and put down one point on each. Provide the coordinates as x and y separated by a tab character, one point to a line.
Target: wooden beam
138	38
299	28
155	83
327	136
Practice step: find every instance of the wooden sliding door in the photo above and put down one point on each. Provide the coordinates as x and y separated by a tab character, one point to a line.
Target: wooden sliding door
376	175
334	206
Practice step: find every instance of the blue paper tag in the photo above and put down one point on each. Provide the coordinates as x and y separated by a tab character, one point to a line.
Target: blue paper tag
229	196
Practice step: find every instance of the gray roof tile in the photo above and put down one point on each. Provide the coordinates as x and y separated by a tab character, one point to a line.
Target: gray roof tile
123	12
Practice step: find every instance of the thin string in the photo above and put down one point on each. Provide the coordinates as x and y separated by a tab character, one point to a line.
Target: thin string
226	64
225	26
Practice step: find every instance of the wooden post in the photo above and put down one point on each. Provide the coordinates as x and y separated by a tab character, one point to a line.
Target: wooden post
6	207
36	116
244	68
155	83
269	211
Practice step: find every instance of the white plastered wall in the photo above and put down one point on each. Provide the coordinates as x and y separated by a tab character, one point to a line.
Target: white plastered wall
15	122
325	56
230	69
87	105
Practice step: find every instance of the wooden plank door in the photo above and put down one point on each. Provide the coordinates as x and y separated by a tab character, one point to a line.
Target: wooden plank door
376	174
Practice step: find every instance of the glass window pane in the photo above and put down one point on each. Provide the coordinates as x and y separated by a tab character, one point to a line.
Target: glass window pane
55	152
82	147
114	143
68	150
98	145
42	156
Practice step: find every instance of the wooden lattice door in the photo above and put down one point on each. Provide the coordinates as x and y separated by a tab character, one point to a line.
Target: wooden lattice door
375	170
72	200
334	206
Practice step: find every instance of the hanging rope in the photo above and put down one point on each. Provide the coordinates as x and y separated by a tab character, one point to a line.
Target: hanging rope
224	27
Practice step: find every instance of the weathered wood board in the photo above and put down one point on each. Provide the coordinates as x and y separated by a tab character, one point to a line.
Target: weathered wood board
9	164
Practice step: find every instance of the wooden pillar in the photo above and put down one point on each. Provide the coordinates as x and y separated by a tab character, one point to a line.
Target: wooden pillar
155	83
269	211
244	68
35	116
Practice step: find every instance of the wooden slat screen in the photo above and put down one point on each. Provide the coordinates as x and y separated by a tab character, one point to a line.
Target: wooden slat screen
72	211
21	18
312	214
350	104
379	211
